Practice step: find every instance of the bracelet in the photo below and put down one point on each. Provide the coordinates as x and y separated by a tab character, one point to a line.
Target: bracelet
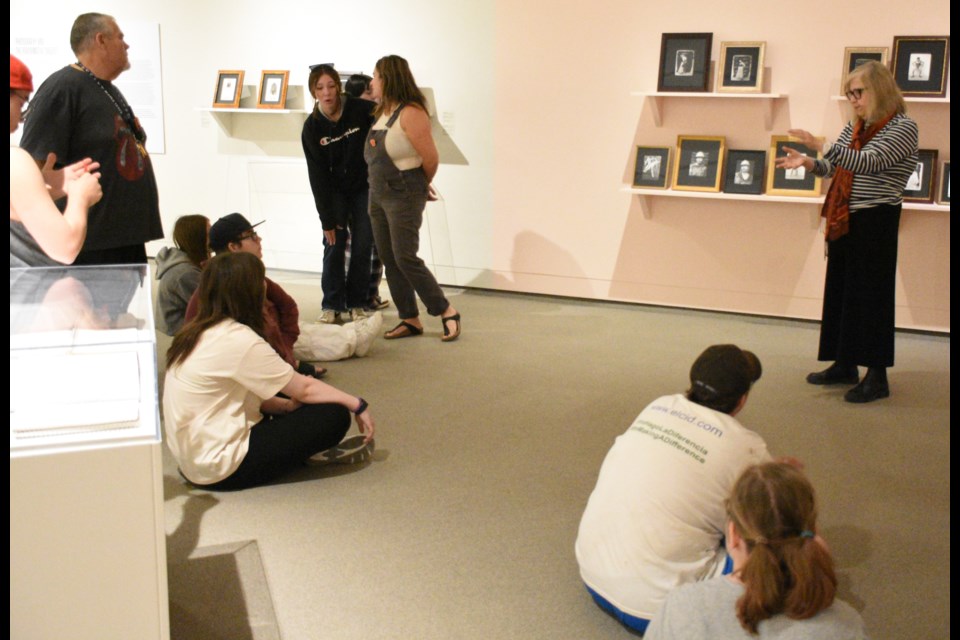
363	407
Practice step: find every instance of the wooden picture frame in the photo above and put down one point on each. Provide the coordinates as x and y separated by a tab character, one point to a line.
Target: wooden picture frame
793	182
922	183
745	171
229	89
273	90
699	165
920	65
740	67
943	193
651	169
685	62
853	57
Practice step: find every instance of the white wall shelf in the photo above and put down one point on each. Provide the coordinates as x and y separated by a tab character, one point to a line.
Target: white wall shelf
644	196
655	99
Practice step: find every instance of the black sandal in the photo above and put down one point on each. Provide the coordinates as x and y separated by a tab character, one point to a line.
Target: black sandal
410	331
449	336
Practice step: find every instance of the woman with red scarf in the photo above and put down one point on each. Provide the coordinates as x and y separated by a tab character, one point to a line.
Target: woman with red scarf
870	163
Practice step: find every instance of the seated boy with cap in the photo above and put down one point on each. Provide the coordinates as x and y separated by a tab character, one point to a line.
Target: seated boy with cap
233	232
656	517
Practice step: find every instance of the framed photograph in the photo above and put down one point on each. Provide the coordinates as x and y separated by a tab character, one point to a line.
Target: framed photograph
853	57
922	183
699	165
273	90
229	89
741	67
943	193
920	65
685	62
744	172
790	182
652	167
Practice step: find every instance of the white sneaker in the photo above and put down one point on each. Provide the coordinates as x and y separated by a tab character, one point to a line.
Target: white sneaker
352	450
367	328
358	313
329	317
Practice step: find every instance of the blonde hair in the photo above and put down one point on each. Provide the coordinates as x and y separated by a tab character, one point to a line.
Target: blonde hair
886	98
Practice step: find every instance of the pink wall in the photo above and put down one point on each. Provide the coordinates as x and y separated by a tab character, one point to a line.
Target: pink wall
566	126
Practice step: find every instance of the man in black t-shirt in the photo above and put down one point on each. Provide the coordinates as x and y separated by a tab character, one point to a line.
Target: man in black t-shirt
77	113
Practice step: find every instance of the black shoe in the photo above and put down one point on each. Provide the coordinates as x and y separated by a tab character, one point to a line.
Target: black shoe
873	387
835	374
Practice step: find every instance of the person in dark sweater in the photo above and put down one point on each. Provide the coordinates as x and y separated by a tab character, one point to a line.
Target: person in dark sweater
333	137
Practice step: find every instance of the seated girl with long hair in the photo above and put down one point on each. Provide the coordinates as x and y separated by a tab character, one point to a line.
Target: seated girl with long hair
225	424
783	583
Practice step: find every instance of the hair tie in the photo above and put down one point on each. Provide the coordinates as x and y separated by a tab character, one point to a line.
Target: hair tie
699	383
806	534
761	540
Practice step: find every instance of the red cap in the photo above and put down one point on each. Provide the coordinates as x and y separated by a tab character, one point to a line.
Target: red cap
20	76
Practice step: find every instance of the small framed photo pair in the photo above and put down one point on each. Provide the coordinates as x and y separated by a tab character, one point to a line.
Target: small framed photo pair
921	187
920	65
943	193
652	167
273	90
685	62
229	89
790	182
853	57
741	67
699	165
744	172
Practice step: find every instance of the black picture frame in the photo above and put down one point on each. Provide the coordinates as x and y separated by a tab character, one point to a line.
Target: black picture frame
651	169
229	89
922	183
790	182
853	57
699	165
734	181
943	193
921	64
685	62
740	67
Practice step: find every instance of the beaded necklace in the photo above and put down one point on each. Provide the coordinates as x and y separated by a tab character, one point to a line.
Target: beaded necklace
123	107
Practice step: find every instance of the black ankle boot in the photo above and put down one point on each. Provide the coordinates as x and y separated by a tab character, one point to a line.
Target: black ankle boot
873	387
835	374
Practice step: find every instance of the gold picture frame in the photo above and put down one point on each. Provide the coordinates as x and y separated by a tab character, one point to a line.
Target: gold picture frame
651	169
699	165
791	182
740	67
853	57
273	90
229	89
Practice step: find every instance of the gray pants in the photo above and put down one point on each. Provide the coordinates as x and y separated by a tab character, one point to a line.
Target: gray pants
396	213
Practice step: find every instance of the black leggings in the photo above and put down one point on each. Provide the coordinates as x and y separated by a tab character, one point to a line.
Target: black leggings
279	444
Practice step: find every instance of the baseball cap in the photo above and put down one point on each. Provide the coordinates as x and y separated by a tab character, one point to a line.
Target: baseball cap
20	76
725	370
227	229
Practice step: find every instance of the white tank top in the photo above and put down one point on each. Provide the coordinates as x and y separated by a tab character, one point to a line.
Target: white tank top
398	145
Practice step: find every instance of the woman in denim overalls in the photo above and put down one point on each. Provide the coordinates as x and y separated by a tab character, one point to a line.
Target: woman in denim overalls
401	163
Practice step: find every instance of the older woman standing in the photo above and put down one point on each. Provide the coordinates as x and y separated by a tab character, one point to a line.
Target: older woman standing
332	141
402	161
870	163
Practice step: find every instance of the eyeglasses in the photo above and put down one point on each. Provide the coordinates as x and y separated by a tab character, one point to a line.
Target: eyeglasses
855	94
250	236
25	104
314	67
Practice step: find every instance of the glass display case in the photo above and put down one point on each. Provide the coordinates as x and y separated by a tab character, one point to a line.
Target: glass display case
83	370
87	534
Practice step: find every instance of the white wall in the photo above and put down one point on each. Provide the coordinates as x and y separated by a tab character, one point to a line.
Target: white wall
537	97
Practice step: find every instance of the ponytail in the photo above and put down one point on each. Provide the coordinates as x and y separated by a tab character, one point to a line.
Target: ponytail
788	571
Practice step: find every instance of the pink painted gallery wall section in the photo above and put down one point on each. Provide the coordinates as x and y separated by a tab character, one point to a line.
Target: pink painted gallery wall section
566	127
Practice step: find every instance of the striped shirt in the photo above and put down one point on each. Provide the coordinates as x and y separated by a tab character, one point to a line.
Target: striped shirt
881	168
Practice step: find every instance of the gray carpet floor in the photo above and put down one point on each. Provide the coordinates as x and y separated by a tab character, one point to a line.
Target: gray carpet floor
463	523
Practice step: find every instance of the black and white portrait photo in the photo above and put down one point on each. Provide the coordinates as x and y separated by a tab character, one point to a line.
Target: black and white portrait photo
651	167
698	168
916	178
919	67
744	174
684	65
741	68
